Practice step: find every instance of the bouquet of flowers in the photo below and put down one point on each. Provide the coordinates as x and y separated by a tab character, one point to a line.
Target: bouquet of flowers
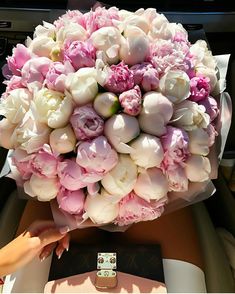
109	112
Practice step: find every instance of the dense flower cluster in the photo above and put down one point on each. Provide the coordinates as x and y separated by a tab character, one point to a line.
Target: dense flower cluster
109	111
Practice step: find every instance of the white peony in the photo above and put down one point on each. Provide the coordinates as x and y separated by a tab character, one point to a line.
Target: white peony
175	84
197	168
121	180
151	184
156	112
42	46
45	189
71	31
121	129
201	55
199	142
63	140
30	134
190	116
147	151
15	105
108	40
134	46
53	108
82	85
100	210
6	131
47	30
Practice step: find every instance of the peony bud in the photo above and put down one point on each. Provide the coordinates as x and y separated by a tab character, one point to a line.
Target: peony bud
156	112
45	189
121	129
121	179
106	104
63	140
100	210
147	151
151	184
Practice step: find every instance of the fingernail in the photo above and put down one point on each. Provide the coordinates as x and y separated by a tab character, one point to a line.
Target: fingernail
64	230
42	258
59	256
67	248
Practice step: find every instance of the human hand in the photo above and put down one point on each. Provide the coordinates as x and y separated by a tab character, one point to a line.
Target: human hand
40	239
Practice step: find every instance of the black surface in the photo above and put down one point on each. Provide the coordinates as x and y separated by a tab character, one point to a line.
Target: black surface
140	260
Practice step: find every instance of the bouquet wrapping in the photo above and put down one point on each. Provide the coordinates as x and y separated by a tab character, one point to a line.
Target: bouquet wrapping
114	116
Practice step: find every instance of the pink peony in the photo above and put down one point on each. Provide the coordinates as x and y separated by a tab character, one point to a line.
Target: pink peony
15	82
211	107
133	209
71	201
100	18
119	78
35	70
56	75
44	162
70	16
175	145
22	161
131	101
20	55
97	156
212	133
177	180
165	55
86	123
199	88
70	174
80	54
146	76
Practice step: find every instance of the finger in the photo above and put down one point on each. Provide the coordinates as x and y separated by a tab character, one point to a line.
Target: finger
46	251
59	250
50	236
65	242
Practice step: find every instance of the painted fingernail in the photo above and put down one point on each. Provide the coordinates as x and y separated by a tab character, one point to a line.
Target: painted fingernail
64	230
42	258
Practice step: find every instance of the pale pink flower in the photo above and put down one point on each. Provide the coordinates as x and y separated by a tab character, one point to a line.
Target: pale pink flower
146	76
56	75
99	18
15	82
70	174
71	201
20	55
22	160
166	55
131	101
133	209
199	88
86	123
211	131
211	107
35	70
177	180
119	78
175	145
74	16
80	54
44	162
97	156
